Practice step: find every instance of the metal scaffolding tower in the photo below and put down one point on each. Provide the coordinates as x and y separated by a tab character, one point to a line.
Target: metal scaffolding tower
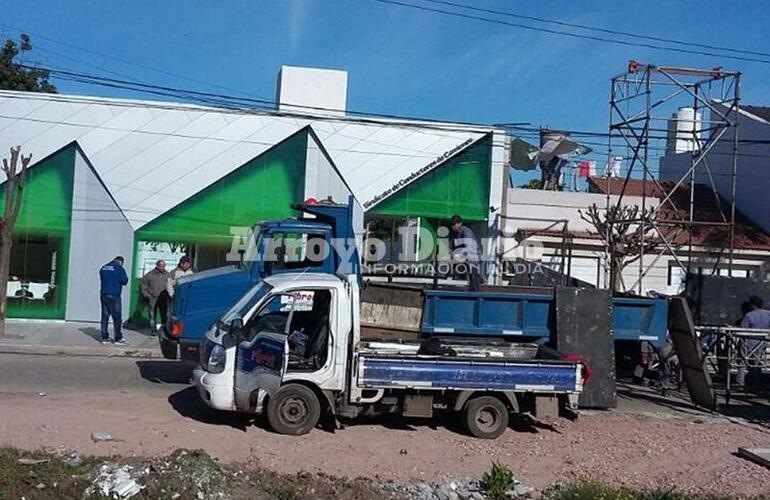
639	99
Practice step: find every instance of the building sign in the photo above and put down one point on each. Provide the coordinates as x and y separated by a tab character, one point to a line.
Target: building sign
416	174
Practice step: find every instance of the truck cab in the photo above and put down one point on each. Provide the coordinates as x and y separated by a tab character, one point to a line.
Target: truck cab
291	348
275	247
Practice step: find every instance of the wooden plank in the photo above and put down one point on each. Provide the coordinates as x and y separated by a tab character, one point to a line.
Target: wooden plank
690	352
760	456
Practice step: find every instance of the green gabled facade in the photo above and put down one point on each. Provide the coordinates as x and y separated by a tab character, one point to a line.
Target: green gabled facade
263	188
459	186
40	251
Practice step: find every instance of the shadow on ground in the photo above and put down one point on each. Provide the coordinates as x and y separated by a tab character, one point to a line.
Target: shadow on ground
452	422
92	332
752	408
189	405
166	372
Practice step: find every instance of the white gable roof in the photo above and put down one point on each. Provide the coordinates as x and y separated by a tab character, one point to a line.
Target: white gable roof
153	155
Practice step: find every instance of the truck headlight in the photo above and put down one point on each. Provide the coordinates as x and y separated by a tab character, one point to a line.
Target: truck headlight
216	361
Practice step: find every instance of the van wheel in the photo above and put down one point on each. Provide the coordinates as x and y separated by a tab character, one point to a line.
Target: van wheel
486	417
168	348
293	410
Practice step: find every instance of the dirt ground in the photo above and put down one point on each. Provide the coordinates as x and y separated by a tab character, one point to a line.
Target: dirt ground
693	453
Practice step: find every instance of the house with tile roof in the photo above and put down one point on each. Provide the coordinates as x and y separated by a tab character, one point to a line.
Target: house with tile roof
547	226
752	170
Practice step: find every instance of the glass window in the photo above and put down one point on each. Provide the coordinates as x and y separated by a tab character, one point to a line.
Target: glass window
35	279
246	303
271	318
291	250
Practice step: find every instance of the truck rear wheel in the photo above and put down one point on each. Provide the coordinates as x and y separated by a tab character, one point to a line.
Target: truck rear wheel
486	417
293	410
168	348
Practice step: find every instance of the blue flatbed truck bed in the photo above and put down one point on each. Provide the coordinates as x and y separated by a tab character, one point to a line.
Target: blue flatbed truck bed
388	371
530	316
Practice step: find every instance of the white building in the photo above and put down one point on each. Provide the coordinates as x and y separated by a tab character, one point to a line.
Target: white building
753	169
546	226
149	180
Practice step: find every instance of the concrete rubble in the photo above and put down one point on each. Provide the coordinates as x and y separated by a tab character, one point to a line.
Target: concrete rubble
452	489
115	481
101	436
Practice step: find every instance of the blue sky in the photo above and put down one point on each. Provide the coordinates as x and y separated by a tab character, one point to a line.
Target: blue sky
400	61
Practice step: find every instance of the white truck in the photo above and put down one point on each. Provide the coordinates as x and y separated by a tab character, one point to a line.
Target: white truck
292	348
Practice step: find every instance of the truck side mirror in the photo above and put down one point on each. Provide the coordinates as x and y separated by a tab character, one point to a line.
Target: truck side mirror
236	327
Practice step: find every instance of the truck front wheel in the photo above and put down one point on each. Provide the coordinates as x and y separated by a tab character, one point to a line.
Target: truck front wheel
486	417
293	410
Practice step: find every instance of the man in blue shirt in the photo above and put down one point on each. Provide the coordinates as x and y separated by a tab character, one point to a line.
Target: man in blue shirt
465	248
113	278
758	317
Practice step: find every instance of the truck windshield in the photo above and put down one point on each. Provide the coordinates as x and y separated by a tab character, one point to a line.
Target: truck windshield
253	249
244	305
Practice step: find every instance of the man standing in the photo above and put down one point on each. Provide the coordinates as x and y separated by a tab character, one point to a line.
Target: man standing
113	278
465	248
153	285
182	269
759	318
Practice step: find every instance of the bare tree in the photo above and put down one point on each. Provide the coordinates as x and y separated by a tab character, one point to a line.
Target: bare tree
621	228
15	173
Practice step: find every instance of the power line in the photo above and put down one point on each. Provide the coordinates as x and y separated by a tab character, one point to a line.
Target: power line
125	61
230	104
252	105
598	29
569	33
195	137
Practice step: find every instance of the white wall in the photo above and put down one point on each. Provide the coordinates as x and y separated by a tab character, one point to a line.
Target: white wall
498	183
99	233
312	90
537	209
753	183
533	209
322	180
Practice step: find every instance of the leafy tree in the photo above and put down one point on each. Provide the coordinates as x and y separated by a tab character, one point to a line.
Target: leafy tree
15	76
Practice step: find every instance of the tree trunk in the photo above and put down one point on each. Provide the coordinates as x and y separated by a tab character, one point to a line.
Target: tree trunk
616	274
6	242
14	185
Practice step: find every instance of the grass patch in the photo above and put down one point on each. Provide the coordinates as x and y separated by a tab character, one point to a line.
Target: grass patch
51	479
596	490
184	475
497	481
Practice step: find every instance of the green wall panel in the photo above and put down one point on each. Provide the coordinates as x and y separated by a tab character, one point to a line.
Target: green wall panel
42	234
47	202
459	186
263	188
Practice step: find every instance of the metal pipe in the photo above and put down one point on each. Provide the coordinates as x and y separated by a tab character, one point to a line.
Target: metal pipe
642	228
608	228
692	181
695	95
734	171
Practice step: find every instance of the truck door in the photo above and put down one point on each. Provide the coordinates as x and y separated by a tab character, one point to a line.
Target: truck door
261	355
